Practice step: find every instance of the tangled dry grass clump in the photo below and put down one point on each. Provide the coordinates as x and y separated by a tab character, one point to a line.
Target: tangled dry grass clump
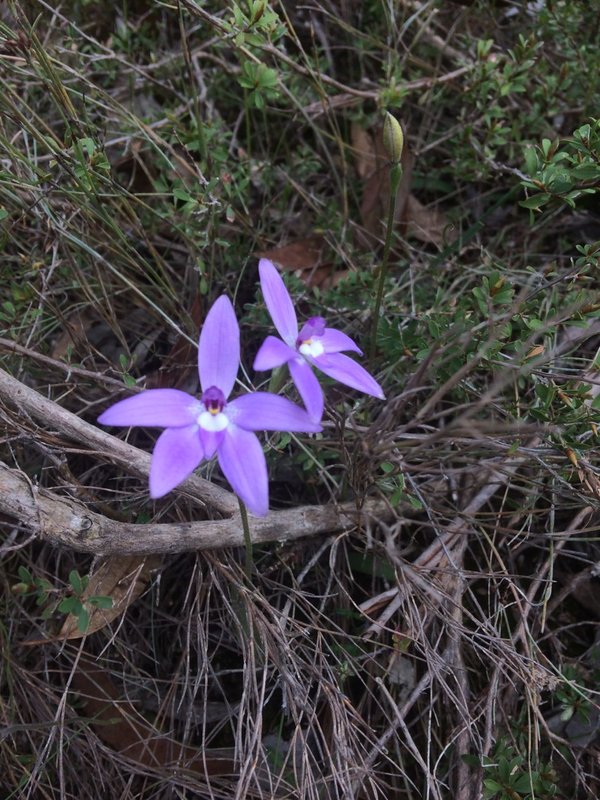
419	614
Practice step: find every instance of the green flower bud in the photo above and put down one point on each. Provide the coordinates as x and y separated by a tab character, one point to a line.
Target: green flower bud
393	138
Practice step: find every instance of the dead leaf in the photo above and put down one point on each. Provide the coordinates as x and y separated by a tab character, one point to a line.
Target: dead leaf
122	578
535	351
301	255
363	147
121	726
324	277
427	224
373	167
307	259
75	331
590	481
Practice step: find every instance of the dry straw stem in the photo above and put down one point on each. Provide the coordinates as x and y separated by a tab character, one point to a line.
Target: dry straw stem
445	552
71	370
63	520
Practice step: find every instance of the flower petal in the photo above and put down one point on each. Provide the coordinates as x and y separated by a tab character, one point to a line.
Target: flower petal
343	369
334	341
165	408
211	441
263	411
272	353
243	463
308	386
177	453
315	326
278	301
219	347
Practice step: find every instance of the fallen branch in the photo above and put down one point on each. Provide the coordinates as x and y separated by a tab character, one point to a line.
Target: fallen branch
105	446
65	521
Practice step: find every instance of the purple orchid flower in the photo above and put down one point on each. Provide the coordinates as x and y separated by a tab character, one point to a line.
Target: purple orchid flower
315	346
196	429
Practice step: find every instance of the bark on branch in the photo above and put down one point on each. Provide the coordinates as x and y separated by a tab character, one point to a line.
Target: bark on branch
105	446
65	521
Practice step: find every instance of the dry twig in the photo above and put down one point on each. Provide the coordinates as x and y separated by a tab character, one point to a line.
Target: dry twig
63	520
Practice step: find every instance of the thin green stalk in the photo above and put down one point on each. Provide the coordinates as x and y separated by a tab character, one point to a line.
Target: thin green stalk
249	567
395	176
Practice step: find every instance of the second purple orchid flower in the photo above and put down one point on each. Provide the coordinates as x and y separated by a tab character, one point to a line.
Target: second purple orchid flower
315	345
196	429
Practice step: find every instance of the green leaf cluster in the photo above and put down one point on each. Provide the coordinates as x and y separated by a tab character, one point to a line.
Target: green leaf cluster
73	603
261	81
563	171
510	777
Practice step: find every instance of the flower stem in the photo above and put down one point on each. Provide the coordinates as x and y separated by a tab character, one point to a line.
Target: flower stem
249	568
395	176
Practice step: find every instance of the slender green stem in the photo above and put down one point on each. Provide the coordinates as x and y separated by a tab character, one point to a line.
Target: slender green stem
395	176
249	568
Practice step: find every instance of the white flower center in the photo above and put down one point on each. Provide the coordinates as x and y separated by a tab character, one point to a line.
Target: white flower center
311	347
213	422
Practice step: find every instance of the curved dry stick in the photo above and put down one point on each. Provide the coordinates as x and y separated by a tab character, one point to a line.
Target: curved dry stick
105	446
65	521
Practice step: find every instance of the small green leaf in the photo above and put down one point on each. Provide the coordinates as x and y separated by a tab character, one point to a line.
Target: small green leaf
492	785
531	160
560	182
76	581
504	769
100	601
181	194
397	496
25	575
83	619
583	133
533	324
69	605
524	782
546	145
87	145
535	202
586	172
